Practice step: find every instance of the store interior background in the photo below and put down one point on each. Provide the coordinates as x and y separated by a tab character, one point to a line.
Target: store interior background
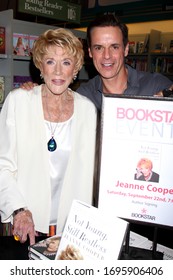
140	17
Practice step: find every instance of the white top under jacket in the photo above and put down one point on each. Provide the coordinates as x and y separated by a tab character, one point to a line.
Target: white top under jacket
24	160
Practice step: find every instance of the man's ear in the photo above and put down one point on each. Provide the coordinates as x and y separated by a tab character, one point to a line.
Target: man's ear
126	51
90	53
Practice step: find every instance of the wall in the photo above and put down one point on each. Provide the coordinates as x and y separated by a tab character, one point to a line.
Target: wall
145	27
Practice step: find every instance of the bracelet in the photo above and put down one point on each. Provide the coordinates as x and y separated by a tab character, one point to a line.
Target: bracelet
17	211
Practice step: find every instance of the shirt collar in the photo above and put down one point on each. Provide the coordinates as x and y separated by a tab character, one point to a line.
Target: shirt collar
132	80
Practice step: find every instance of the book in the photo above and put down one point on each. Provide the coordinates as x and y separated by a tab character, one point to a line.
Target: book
140	47
90	234
45	249
159	47
32	39
19	80
132	47
146	43
21	44
2	40
171	46
2	89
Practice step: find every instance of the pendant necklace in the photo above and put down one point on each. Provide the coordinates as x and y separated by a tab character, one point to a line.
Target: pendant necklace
51	145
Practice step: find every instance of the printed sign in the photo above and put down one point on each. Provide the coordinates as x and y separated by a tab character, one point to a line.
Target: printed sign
56	9
136	180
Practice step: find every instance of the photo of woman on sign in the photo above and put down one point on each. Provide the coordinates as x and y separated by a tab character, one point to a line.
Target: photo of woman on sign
144	171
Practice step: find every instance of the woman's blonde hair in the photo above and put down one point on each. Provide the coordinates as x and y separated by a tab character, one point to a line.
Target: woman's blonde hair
145	163
60	37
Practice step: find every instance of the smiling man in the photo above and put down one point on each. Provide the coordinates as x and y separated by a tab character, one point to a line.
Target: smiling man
108	46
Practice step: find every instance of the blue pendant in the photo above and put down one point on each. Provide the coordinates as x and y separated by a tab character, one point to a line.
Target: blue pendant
52	145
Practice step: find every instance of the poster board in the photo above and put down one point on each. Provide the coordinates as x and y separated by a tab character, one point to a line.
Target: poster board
132	129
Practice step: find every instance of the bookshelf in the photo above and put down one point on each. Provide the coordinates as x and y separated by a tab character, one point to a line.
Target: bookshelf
13	65
152	59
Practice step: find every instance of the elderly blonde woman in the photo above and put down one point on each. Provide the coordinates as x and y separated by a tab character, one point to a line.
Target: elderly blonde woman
145	172
47	143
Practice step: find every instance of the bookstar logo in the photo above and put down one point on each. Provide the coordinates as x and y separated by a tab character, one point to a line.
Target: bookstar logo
143	215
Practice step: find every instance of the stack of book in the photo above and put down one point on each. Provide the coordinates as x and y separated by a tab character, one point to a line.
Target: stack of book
45	249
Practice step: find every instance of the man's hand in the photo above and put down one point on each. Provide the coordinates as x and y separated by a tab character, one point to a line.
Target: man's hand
28	85
23	226
166	92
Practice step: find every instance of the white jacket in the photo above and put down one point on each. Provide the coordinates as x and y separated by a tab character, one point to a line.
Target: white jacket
24	164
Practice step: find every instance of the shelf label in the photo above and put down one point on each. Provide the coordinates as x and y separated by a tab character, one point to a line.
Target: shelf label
60	10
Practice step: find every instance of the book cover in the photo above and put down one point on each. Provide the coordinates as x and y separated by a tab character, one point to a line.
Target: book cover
140	47
32	39
21	44
2	90
19	80
2	40
45	249
89	234
132	47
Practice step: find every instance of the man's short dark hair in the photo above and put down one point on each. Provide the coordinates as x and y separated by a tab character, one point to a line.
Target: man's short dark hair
108	20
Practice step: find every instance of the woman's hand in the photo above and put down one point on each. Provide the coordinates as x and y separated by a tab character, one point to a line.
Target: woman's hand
23	226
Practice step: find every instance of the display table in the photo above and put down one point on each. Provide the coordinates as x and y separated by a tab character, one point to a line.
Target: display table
13	250
140	254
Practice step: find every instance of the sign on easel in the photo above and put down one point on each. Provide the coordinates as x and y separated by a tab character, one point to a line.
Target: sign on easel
136	169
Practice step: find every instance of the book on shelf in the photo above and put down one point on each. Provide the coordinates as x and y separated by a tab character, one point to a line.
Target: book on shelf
159	48
169	68
19	80
20	44
132	47
146	43
162	64
2	40
32	39
90	234
140	47
2	89
171	46
45	249
139	63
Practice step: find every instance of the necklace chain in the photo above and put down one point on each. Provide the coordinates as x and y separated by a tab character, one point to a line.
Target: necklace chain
51	122
52	145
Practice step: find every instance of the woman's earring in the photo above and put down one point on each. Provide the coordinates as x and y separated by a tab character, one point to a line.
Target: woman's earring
75	77
41	76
